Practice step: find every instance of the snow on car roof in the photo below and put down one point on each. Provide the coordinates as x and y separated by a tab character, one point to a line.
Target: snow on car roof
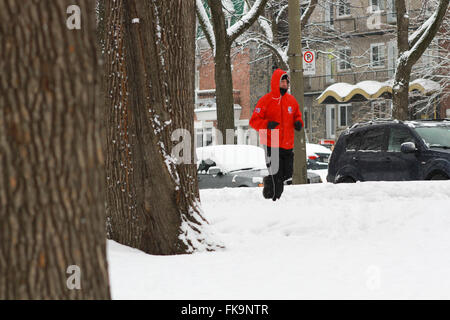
233	157
312	148
427	123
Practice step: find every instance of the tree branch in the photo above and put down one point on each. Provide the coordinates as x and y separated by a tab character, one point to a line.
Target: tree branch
307	14
246	21
205	24
280	55
422	43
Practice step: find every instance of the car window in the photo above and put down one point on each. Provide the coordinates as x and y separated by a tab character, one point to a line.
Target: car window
372	140
398	136
435	136
353	141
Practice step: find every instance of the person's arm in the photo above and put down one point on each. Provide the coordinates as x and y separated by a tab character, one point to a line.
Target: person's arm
258	120
298	114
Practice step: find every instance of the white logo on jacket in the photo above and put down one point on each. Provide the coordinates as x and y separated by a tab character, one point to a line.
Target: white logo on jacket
290	109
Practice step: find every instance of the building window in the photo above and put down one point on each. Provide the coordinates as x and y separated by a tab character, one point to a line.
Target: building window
199	138
391	12
329	15
344	59
331	121
208	136
343	8
392	58
305	118
382	109
376	5
343	117
377	55
203	137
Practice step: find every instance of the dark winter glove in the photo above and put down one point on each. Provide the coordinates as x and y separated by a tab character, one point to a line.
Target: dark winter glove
298	125
272	125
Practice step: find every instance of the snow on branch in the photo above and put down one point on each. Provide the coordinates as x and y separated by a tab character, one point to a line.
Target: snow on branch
277	19
413	38
265	26
308	12
247	20
279	52
205	24
421	39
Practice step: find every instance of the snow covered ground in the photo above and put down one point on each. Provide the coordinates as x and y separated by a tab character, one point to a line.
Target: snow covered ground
365	240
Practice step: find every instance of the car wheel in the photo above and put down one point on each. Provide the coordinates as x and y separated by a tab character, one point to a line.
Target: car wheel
439	176
346	179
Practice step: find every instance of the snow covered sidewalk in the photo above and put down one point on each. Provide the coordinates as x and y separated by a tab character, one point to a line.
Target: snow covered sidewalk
363	240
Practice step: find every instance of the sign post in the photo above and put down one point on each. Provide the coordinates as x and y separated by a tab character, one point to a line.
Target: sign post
309	63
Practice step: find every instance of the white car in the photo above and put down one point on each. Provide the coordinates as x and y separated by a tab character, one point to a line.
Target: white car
222	166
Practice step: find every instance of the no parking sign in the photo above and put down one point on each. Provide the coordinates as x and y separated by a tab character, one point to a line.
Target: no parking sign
309	63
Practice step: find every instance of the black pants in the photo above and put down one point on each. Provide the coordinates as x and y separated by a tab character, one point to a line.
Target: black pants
285	158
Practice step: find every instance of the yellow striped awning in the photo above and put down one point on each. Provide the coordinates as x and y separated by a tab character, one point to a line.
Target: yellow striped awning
366	90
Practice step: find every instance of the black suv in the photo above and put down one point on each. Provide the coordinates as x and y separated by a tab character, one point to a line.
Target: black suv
392	151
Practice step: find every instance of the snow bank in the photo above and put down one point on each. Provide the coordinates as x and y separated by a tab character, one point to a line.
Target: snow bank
365	240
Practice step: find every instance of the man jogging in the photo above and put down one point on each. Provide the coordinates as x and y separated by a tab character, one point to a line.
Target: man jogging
275	117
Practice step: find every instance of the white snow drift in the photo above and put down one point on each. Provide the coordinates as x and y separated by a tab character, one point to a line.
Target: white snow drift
364	240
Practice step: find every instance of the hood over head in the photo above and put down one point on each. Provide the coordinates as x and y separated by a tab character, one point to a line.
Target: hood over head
275	82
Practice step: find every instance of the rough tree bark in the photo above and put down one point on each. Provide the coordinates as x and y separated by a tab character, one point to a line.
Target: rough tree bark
152	200
410	49
51	163
222	72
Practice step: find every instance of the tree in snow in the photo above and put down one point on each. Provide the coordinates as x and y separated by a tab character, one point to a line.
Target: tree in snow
152	197
410	49
435	65
52	209
221	38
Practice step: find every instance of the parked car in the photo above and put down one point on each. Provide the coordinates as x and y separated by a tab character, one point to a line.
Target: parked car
232	166
392	151
317	152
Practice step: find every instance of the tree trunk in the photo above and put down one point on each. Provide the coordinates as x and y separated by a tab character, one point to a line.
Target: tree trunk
409	51
224	94
153	200
296	68
222	73
400	93
400	90
51	163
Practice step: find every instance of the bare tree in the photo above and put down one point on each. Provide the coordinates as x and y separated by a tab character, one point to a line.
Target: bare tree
434	65
152	198
52	208
410	49
220	38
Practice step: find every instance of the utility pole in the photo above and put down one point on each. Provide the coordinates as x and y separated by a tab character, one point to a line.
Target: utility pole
296	67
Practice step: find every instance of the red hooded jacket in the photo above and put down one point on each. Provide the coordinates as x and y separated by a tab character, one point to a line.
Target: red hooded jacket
275	107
